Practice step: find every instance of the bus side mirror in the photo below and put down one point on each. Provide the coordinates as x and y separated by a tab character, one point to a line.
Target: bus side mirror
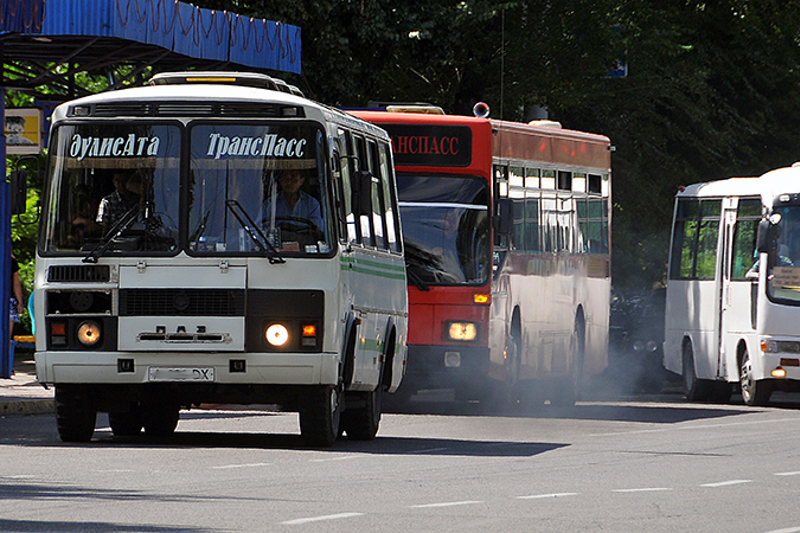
19	191
767	233
504	220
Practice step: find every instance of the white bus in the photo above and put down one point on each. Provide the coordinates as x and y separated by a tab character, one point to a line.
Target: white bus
733	297
218	238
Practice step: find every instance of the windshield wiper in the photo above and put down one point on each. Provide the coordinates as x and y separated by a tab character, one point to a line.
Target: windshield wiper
118	229
201	228
254	231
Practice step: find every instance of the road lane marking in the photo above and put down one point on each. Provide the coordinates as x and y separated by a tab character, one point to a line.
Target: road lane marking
726	483
428	450
643	489
444	504
787	474
243	465
547	496
327	460
786	530
323	518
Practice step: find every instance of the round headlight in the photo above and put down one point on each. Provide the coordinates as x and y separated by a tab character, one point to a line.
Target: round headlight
652	346
277	335
89	333
638	346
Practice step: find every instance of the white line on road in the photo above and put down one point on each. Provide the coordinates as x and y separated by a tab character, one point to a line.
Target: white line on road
785	530
796	473
299	521
643	489
444	504
547	496
245	465
726	483
345	458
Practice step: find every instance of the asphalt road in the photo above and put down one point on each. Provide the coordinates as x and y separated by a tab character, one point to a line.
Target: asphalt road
646	464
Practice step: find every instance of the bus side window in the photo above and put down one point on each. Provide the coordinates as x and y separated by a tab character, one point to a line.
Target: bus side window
390	208
347	165
532	225
518	236
362	194
378	203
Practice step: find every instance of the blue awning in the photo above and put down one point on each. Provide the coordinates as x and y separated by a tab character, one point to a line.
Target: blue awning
175	27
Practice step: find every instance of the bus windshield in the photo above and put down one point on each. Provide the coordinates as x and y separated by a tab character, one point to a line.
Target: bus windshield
783	280
445	229
115	187
257	186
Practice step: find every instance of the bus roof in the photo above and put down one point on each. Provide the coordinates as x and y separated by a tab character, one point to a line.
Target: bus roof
768	186
205	92
543	141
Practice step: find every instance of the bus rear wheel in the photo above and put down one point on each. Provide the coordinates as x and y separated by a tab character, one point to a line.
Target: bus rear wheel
754	392
75	413
695	390
127	423
320	415
361	422
160	420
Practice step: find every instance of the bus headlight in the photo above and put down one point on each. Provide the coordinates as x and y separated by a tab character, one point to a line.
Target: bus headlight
277	335
462	331
89	333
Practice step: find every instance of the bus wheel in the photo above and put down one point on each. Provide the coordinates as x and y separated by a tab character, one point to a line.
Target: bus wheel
570	390
361	422
126	424
754	392
320	414
75	413
694	389
160	420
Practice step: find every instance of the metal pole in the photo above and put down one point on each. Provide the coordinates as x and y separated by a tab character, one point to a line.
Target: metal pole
5	253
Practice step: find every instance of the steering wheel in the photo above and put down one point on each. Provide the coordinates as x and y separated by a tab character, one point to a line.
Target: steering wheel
297	224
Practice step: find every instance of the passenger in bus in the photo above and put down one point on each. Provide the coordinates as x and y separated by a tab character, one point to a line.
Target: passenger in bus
293	207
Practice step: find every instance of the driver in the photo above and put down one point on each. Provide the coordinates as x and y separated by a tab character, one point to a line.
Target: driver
127	194
292	202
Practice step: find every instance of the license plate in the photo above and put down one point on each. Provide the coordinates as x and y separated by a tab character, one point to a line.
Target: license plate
160	373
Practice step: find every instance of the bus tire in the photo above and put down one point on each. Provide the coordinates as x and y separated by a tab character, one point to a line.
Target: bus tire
75	413
160	420
695	390
320	415
570	392
127	423
362	422
754	392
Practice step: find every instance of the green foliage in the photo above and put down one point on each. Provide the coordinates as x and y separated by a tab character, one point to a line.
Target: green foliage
711	90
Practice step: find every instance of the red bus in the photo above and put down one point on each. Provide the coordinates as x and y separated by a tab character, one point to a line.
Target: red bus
506	229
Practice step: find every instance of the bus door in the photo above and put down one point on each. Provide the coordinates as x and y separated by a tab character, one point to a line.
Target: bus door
737	305
726	311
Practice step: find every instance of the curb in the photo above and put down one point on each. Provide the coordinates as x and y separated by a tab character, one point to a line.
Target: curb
27	406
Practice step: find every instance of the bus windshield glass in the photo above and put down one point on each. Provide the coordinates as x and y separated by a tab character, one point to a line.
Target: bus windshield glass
783	280
445	229
257	187
113	188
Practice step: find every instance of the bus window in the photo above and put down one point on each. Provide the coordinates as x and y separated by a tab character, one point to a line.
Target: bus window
347	166
695	242
518	237
532	224
361	192
744	239
390	209
531	178
549	224
378	203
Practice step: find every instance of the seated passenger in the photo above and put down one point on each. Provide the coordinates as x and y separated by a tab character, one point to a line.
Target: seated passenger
293	208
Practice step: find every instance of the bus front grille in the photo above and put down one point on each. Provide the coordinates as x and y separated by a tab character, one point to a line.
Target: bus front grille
181	302
78	274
